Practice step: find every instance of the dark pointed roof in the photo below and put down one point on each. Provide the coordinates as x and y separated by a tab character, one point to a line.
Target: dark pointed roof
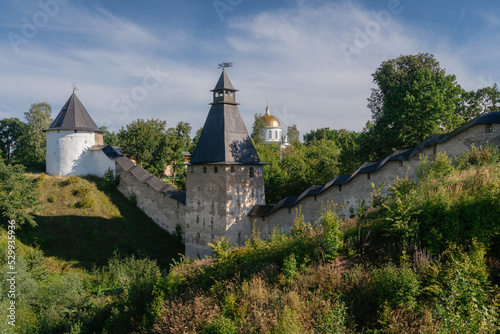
74	116
224	138
224	82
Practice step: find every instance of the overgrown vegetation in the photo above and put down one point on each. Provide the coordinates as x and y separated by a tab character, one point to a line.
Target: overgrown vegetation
391	269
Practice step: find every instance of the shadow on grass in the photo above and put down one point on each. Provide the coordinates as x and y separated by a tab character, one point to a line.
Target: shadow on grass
93	240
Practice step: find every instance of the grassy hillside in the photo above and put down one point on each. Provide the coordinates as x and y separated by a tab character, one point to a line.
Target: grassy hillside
83	234
424	259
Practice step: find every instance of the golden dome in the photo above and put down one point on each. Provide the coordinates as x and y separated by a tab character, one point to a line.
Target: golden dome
270	121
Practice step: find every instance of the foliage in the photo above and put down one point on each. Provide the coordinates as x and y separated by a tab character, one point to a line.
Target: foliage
146	143
11	130
110	181
293	135
220	325
440	167
18	196
398	287
110	138
72	180
477	156
414	99
86	203
331	236
258	129
463	298
32	143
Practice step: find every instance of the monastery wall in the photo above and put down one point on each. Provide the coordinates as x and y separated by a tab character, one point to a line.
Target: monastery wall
165	211
359	187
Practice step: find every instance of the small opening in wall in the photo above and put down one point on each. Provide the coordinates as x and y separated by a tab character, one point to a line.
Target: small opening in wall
192	169
205	170
233	169
252	172
401	162
489	128
369	176
215	169
340	187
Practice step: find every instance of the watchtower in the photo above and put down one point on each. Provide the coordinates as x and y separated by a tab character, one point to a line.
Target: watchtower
225	177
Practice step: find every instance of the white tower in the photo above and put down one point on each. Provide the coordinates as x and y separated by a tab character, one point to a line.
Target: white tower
69	140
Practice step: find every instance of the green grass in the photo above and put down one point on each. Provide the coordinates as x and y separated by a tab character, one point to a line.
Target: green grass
88	236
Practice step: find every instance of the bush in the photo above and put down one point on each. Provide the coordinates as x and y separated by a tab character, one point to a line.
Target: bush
52	199
220	325
465	303
331	238
441	166
477	156
82	192
86	203
72	180
399	287
132	200
110	180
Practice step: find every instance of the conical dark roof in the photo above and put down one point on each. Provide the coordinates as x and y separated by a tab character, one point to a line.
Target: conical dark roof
224	82
224	138
74	116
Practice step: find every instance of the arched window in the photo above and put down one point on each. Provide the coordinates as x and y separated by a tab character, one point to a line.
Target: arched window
252	173
270	134
276	134
205	170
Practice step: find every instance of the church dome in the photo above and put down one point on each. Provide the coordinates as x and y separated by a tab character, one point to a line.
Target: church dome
270	121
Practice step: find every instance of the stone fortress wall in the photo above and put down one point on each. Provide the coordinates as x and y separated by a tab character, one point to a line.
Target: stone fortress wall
167	206
350	190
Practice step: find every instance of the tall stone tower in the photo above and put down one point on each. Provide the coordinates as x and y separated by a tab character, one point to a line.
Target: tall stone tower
70	137
225	178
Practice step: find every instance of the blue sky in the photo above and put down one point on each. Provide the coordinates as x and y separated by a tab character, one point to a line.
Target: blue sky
312	60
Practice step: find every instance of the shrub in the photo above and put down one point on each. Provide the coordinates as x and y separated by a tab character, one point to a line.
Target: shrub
82	192
441	166
332	320
72	180
52	199
110	180
132	200
331	238
477	156
86	203
395	286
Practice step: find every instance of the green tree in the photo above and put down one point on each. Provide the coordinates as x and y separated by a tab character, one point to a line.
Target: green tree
481	101
195	140
414	99
18	196
146	143
11	130
183	131
32	143
258	128
110	138
293	135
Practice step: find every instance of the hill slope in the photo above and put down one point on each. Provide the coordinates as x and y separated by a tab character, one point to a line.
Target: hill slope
81	223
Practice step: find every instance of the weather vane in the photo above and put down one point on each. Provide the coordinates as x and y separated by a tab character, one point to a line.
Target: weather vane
223	65
74	87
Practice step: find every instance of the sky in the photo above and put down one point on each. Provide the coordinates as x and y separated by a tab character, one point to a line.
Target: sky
312	61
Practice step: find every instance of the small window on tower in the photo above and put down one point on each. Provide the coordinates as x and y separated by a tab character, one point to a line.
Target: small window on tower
233	169
252	173
215	169
205	170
